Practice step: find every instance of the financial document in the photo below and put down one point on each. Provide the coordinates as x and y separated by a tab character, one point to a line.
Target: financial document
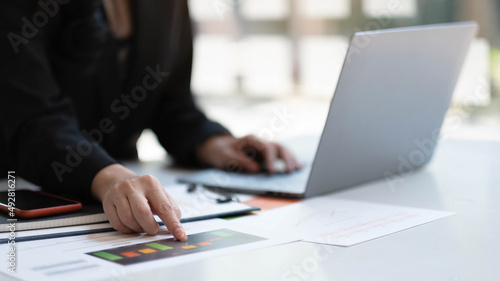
340	222
115	255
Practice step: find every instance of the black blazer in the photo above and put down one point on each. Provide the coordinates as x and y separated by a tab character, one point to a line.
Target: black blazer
69	107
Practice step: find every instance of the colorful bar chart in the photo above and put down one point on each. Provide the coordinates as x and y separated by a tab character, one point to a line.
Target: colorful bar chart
167	248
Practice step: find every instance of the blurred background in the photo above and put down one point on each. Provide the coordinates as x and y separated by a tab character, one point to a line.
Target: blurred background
270	67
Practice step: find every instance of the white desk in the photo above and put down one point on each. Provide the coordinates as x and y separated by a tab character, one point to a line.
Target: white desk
464	177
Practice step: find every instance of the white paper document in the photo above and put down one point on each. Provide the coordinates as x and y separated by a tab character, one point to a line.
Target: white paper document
115	255
340	222
202	203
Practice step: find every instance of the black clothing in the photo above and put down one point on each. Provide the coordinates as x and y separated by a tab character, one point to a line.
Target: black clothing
68	109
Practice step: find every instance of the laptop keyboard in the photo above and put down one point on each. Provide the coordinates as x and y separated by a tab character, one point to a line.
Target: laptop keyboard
294	182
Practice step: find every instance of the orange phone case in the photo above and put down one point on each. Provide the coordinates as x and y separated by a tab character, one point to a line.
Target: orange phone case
28	214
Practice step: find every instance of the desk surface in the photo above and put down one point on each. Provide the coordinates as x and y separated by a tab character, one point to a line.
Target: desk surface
463	177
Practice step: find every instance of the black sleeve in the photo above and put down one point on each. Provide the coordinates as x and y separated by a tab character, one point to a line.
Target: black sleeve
38	122
179	124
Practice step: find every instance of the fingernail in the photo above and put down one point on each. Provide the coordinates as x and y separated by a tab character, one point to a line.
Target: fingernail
181	235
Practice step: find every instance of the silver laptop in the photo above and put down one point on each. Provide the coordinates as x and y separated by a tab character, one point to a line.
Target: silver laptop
385	116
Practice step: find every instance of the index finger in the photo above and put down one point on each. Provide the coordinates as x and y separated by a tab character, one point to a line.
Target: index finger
291	163
168	212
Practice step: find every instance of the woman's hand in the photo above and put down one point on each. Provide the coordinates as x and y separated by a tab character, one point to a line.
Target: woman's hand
248	153
130	200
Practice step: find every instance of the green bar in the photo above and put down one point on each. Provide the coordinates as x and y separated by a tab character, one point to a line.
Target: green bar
107	256
159	246
222	234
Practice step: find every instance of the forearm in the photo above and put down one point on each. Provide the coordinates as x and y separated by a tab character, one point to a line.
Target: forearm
55	156
40	129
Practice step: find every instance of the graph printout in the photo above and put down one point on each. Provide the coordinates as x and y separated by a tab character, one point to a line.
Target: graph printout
167	248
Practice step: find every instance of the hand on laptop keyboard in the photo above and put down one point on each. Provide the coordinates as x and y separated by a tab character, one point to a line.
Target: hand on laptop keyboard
246	154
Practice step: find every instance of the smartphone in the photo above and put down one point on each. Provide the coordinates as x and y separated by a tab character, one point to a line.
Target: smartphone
33	204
